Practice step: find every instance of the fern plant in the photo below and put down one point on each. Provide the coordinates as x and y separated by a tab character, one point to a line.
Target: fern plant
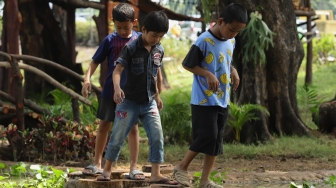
259	37
239	115
309	102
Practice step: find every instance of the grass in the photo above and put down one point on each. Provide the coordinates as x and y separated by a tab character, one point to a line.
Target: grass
322	148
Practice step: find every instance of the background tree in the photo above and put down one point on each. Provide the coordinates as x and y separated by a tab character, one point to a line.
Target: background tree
274	85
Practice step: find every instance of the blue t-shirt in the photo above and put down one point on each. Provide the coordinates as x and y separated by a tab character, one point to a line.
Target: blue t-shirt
214	55
110	49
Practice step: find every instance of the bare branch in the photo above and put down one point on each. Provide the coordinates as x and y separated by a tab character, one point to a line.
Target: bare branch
50	80
79	4
28	103
55	65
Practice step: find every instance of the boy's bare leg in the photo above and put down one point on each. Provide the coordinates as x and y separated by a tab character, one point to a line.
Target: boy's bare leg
209	161
184	164
155	173
107	168
101	140
133	145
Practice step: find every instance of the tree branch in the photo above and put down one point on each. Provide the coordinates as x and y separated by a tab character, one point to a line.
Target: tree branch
50	80
78	4
28	103
55	65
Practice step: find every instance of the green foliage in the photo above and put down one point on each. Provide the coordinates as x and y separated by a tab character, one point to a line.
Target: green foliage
259	37
323	47
215	176
62	107
207	6
239	115
304	185
176	117
83	32
331	180
34	176
309	102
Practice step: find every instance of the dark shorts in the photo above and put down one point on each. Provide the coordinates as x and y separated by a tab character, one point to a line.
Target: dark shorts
106	110
208	129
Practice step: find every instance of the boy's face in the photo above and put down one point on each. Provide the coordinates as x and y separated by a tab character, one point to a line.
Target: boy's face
151	38
229	30
124	29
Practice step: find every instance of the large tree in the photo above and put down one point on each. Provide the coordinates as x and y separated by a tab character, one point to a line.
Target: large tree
274	85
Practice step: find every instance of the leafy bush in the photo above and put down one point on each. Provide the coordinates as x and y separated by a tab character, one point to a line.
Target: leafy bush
83	33
176	117
34	176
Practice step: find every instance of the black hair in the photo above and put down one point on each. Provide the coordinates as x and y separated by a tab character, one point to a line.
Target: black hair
123	12
156	21
234	12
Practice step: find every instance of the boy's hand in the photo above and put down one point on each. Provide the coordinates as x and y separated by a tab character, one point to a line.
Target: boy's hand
118	96
212	81
86	89
234	78
159	102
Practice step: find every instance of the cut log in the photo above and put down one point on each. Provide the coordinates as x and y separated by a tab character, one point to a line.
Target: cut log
115	183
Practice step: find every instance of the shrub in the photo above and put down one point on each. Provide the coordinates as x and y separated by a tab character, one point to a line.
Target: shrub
176	117
83	33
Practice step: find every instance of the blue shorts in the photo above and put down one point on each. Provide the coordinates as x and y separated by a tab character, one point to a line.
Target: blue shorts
127	113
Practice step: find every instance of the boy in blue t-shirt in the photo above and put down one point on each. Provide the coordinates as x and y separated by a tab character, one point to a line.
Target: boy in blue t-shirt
209	59
139	98
123	18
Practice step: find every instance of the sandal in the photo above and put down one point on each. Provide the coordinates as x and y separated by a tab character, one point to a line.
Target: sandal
134	175
103	177
209	184
94	170
182	177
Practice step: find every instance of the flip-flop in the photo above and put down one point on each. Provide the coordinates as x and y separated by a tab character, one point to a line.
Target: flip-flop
165	181
135	172
94	170
103	177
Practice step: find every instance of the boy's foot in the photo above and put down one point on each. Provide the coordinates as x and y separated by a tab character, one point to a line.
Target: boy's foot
103	177
182	177
209	184
165	181
136	175
91	170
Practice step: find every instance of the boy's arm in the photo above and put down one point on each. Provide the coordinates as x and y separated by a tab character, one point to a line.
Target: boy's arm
234	77
158	90
159	81
119	95
212	80
86	89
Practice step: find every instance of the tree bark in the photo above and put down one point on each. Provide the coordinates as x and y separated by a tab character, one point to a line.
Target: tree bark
40	36
10	42
273	86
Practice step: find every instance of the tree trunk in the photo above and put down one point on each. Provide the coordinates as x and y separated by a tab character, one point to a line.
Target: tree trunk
10	42
273	86
40	36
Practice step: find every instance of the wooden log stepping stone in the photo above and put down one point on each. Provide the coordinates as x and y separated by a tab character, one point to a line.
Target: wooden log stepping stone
115	174
114	183
164	168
